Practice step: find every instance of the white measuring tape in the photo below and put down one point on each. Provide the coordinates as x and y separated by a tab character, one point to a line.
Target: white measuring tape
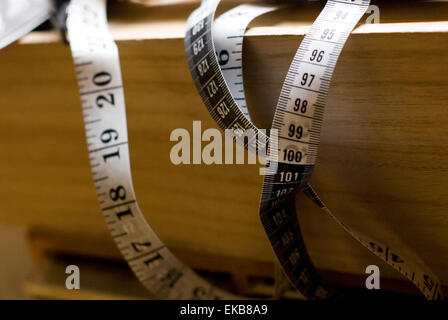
18	17
97	67
298	119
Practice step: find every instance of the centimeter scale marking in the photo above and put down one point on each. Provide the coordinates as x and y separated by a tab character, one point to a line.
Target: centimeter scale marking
298	119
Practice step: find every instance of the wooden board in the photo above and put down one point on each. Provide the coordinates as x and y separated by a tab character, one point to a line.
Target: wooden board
382	166
106	280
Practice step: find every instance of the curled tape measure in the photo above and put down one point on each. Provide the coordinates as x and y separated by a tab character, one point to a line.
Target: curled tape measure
17	18
97	68
298	119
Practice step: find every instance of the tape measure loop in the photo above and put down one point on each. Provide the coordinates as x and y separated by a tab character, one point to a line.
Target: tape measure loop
298	120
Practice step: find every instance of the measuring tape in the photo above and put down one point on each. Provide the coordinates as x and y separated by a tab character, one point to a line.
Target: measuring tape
298	119
18	17
97	66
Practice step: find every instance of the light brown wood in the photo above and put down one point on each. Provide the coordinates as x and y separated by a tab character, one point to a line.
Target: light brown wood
382	165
